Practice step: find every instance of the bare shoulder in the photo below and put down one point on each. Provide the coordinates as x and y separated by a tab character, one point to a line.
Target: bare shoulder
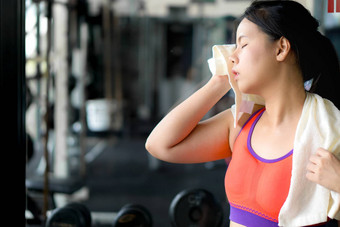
234	131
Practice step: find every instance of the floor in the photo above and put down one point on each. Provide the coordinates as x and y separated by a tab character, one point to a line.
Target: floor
119	171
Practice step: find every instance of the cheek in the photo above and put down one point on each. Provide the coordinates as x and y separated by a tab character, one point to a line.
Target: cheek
256	65
250	59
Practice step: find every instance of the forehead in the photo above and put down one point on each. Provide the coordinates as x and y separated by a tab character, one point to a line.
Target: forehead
246	28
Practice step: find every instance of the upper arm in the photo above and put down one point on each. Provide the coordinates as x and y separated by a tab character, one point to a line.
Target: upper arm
209	141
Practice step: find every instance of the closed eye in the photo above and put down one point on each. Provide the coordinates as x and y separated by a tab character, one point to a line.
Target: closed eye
244	46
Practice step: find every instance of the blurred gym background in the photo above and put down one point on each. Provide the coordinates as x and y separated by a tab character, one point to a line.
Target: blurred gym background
98	76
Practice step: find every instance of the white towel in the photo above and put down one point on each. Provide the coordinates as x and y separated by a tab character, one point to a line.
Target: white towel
307	203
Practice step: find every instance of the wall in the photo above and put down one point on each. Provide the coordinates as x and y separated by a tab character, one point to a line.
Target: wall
219	8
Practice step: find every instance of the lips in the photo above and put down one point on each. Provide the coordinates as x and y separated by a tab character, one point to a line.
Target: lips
236	74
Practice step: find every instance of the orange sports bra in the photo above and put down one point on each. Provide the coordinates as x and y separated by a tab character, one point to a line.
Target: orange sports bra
256	188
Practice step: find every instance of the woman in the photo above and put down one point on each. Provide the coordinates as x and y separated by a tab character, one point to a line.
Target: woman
278	49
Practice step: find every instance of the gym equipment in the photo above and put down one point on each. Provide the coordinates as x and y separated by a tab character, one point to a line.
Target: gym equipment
195	208
133	215
66	186
73	214
35	210
85	212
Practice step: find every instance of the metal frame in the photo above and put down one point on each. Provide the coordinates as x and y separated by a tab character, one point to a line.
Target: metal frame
13	98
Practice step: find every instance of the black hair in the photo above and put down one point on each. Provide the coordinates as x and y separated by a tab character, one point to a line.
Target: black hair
315	53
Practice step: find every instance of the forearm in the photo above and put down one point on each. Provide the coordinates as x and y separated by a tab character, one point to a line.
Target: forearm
180	121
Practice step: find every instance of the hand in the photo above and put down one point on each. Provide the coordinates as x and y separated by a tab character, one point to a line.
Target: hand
324	169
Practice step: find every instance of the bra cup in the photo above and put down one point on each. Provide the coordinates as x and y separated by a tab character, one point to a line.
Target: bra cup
255	185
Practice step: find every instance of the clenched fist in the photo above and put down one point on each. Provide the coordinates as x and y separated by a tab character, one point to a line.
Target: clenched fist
324	169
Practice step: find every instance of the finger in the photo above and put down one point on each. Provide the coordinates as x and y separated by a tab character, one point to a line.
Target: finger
311	167
323	152
315	159
311	176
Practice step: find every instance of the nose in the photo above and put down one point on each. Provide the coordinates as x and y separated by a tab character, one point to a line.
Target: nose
233	58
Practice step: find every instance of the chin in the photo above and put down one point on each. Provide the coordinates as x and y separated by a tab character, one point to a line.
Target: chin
247	89
244	88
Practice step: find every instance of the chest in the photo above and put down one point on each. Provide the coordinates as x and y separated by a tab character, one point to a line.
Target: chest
256	182
268	142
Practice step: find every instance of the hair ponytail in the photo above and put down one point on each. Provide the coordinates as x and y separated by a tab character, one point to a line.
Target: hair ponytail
315	53
327	82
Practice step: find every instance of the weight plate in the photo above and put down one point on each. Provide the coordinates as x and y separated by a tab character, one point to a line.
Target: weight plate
133	215
66	216
195	208
85	212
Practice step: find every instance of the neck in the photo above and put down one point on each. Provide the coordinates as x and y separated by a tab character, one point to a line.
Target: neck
284	102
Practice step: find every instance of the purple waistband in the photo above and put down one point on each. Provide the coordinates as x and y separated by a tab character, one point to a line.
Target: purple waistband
246	218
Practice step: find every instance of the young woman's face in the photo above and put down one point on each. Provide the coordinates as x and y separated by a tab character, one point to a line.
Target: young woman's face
254	58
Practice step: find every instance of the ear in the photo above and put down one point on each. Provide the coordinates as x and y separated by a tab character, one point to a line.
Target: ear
283	48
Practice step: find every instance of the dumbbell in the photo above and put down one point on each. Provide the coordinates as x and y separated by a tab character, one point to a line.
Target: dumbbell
195	208
133	215
73	214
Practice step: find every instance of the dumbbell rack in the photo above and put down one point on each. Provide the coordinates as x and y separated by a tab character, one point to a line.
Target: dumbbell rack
191	207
